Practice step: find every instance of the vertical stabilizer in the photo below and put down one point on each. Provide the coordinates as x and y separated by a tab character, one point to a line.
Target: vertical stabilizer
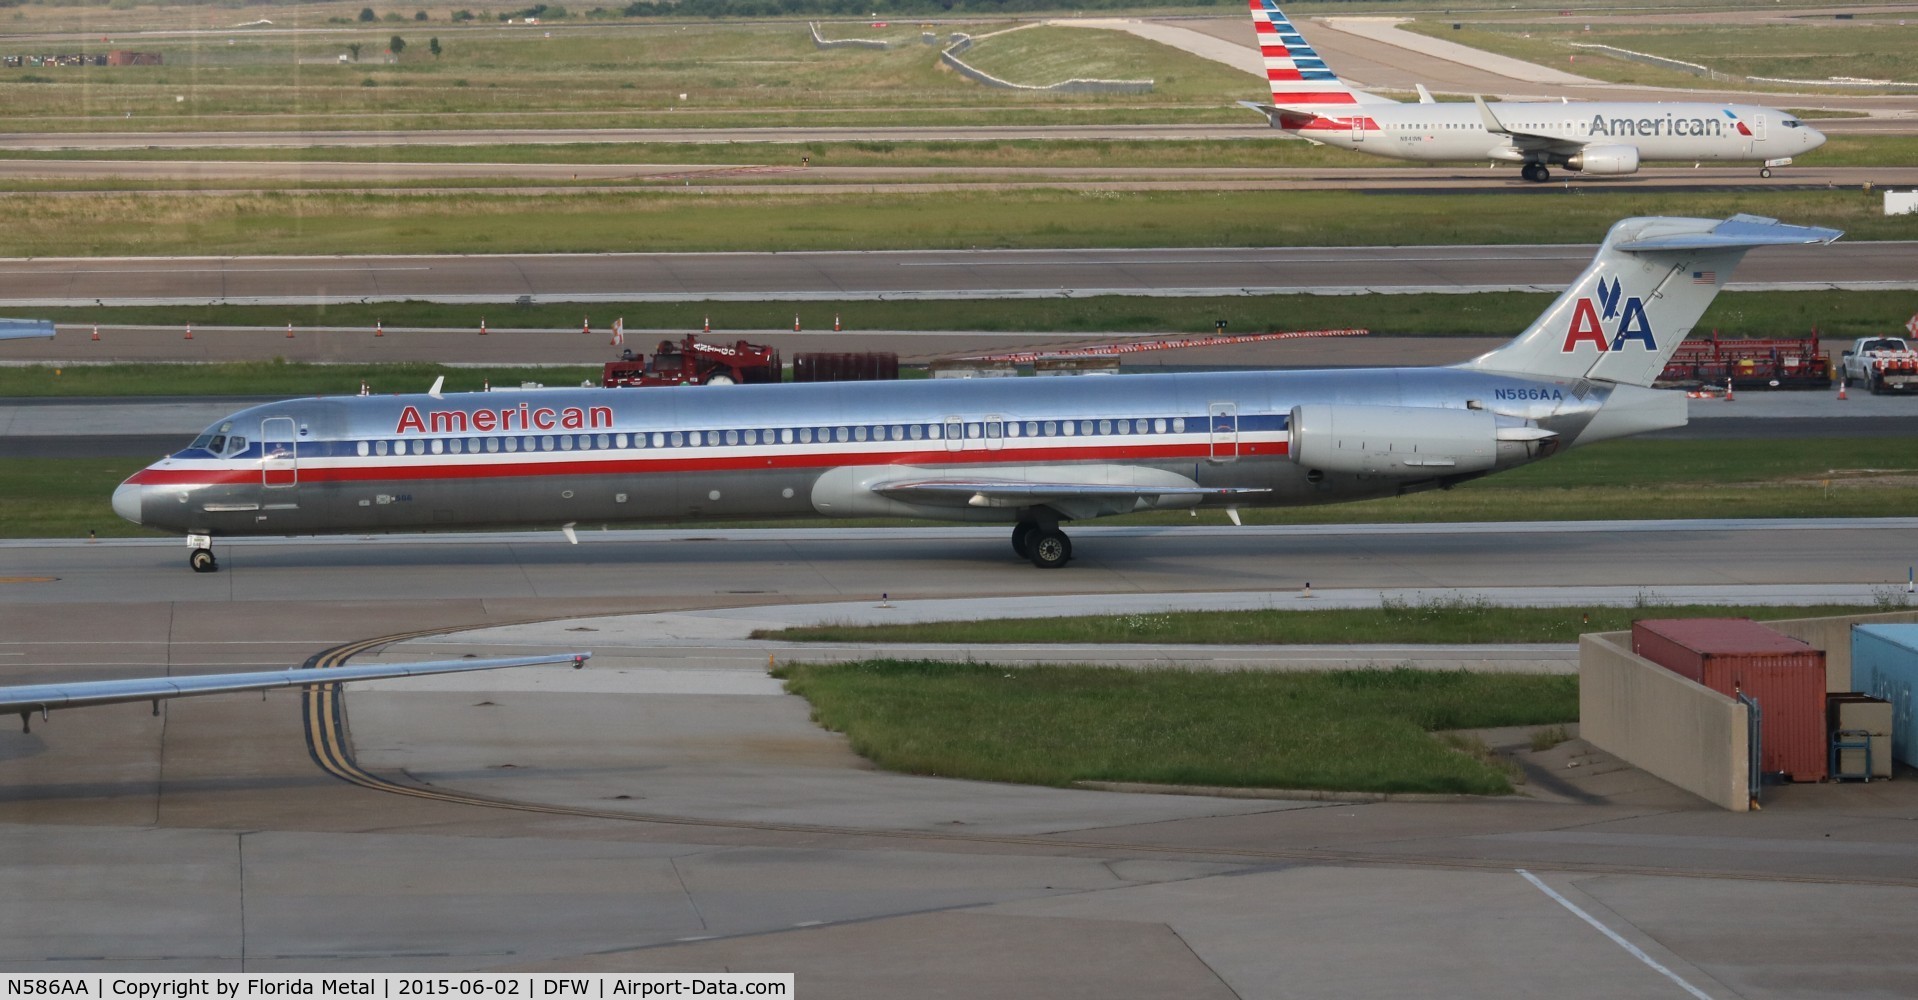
1624	317
1299	78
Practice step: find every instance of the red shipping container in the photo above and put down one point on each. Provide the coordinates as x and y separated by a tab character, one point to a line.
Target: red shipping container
1784	675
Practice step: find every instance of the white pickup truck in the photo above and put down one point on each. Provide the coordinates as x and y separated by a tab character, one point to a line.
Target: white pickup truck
1881	364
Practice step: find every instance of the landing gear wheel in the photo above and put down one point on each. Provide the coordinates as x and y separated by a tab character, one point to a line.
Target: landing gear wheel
202	561
1022	538
1764	172
1536	173
1049	548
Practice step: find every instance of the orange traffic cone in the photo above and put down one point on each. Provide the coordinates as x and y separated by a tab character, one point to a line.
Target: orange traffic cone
289	331
189	331
96	331
486	385
1841	385
835	322
586	324
795	322
708	327
379	328
1728	390
482	326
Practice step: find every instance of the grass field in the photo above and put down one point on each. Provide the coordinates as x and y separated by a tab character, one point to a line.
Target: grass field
130	224
1046	55
1837	315
1343	730
1262	151
1804	50
1439	622
1621	480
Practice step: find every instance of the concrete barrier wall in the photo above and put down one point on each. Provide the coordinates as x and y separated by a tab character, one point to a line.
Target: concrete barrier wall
1833	635
960	43
1679	730
821	42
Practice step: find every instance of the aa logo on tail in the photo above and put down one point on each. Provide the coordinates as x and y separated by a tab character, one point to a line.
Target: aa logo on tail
1593	315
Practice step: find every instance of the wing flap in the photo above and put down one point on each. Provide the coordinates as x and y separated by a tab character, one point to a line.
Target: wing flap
79	694
1019	493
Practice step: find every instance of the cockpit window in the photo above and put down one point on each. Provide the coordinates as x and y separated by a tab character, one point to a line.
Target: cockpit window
215	443
213	439
1791	123
235	445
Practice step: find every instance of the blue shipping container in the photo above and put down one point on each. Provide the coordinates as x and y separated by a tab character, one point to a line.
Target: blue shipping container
1884	664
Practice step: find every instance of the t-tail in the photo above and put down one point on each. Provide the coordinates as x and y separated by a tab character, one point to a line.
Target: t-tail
1622	320
1303	86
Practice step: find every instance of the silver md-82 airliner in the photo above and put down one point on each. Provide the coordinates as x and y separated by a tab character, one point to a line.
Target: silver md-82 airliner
991	450
1599	137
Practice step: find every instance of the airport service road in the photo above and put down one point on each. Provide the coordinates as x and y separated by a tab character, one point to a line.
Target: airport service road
851	275
758	565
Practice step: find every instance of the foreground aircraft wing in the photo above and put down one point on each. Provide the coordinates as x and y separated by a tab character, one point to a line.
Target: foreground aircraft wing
1019	493
26	329
43	698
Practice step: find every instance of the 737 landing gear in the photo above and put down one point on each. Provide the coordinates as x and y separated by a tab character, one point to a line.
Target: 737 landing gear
1764	172
202	561
1536	173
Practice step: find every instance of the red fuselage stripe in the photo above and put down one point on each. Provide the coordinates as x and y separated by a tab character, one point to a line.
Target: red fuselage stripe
513	466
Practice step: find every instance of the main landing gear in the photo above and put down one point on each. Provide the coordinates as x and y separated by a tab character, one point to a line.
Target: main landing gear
1044	544
1536	173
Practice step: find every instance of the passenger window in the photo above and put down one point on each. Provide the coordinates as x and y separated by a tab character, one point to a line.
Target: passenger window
1085	427
732	437
1032	429
915	431
677	439
492	444
546	442
362	449
1012	428
933	431
1178	425
751	437
859	433
1069	428
565	442
841	434
438	446
785	435
606	442
898	432
992	428
1158	426
695	438
659	439
1052	428
1105	426
379	447
512	444
805	435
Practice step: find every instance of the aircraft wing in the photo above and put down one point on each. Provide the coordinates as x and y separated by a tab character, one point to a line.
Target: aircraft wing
24	699
1020	493
1522	140
26	329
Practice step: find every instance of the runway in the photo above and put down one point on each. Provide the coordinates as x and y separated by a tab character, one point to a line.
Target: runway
835	276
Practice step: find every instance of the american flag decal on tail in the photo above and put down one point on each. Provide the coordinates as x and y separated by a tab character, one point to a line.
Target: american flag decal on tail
1299	78
1704	277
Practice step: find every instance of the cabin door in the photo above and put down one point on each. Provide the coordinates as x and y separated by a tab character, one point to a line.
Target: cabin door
1758	128
1223	421
1358	129
280	453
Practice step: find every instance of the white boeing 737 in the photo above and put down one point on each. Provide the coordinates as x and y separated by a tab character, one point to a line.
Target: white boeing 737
980	450
1591	137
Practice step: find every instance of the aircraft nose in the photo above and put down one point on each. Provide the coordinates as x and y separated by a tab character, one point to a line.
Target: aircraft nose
1813	138
126	502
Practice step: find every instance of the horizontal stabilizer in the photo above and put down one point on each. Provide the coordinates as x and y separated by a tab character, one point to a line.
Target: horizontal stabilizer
26	329
1738	232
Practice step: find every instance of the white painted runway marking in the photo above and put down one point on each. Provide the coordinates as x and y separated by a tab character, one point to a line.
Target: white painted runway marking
352	268
1630	948
1215	261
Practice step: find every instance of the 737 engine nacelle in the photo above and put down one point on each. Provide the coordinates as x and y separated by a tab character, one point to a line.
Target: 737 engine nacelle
1400	441
1604	160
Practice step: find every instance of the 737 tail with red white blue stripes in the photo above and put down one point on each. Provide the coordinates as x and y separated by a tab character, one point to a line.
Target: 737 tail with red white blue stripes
986	450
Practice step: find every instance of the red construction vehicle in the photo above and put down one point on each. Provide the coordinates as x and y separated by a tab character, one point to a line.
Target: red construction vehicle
694	362
1749	363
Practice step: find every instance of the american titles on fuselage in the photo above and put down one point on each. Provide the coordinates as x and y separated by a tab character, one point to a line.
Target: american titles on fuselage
1668	125
524	417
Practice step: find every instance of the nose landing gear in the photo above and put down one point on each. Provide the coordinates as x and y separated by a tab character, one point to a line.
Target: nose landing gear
202	561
